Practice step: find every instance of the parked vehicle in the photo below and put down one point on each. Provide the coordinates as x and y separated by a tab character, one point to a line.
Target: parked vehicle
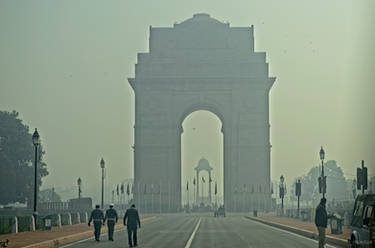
362	227
219	212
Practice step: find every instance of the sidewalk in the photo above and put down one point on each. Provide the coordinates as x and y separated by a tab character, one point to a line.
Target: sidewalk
308	226
307	229
56	236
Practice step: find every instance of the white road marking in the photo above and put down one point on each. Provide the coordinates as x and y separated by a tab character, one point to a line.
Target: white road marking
282	230
188	244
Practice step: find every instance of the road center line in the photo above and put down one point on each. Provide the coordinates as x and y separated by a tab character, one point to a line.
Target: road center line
188	244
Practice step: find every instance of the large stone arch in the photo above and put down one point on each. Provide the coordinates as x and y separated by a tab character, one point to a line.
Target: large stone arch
201	64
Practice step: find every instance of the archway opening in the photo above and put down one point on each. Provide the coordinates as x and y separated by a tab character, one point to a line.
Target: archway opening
202	143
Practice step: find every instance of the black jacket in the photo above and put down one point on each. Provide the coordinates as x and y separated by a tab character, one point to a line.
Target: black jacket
131	218
321	218
96	215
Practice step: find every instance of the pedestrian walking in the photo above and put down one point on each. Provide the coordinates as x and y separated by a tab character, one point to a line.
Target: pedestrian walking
111	218
131	220
321	220
97	217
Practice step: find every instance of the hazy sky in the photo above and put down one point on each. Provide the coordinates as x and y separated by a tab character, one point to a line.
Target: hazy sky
64	64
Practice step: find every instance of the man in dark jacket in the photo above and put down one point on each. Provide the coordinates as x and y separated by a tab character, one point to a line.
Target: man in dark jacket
321	220
98	217
131	220
111	218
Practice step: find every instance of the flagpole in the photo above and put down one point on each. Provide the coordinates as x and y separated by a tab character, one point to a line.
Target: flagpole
152	198
169	198
140	197
243	199
145	198
160	196
202	198
216	193
195	199
187	187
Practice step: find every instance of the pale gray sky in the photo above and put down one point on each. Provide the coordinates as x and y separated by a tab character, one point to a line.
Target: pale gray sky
64	64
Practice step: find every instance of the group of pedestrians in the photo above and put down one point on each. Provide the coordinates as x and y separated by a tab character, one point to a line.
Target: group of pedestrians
131	220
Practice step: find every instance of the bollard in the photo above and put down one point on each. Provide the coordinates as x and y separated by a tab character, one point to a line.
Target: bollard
78	218
59	220
69	219
15	225
87	217
32	227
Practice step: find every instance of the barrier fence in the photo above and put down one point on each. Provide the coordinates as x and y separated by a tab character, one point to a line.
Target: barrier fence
15	224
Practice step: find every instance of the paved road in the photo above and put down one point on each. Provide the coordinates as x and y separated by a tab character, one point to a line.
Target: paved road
193	231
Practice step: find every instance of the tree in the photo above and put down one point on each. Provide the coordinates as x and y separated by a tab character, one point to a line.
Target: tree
16	160
49	195
336	183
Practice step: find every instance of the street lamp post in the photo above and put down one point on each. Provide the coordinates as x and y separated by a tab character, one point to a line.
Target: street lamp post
323	178
298	194
79	182
102	165
282	192
36	142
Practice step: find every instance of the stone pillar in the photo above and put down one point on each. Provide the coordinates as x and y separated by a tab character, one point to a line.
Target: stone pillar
69	219
78	218
15	225
59	220
32	226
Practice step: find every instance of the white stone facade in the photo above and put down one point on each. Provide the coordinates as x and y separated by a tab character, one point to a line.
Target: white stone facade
201	64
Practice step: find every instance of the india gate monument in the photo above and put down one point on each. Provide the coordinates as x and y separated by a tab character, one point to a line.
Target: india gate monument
201	64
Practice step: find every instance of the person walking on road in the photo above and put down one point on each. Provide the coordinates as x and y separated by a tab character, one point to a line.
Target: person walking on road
131	220
111	218
97	217
321	220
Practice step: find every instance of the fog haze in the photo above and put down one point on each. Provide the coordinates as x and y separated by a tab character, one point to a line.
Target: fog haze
64	66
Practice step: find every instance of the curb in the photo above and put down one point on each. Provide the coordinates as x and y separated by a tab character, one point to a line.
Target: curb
74	237
305	233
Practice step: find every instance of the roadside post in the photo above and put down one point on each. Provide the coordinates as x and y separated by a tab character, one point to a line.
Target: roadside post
298	194
362	177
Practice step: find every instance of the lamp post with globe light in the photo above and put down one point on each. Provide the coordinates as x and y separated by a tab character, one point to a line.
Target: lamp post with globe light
322	179
282	192
79	182
36	142
102	165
